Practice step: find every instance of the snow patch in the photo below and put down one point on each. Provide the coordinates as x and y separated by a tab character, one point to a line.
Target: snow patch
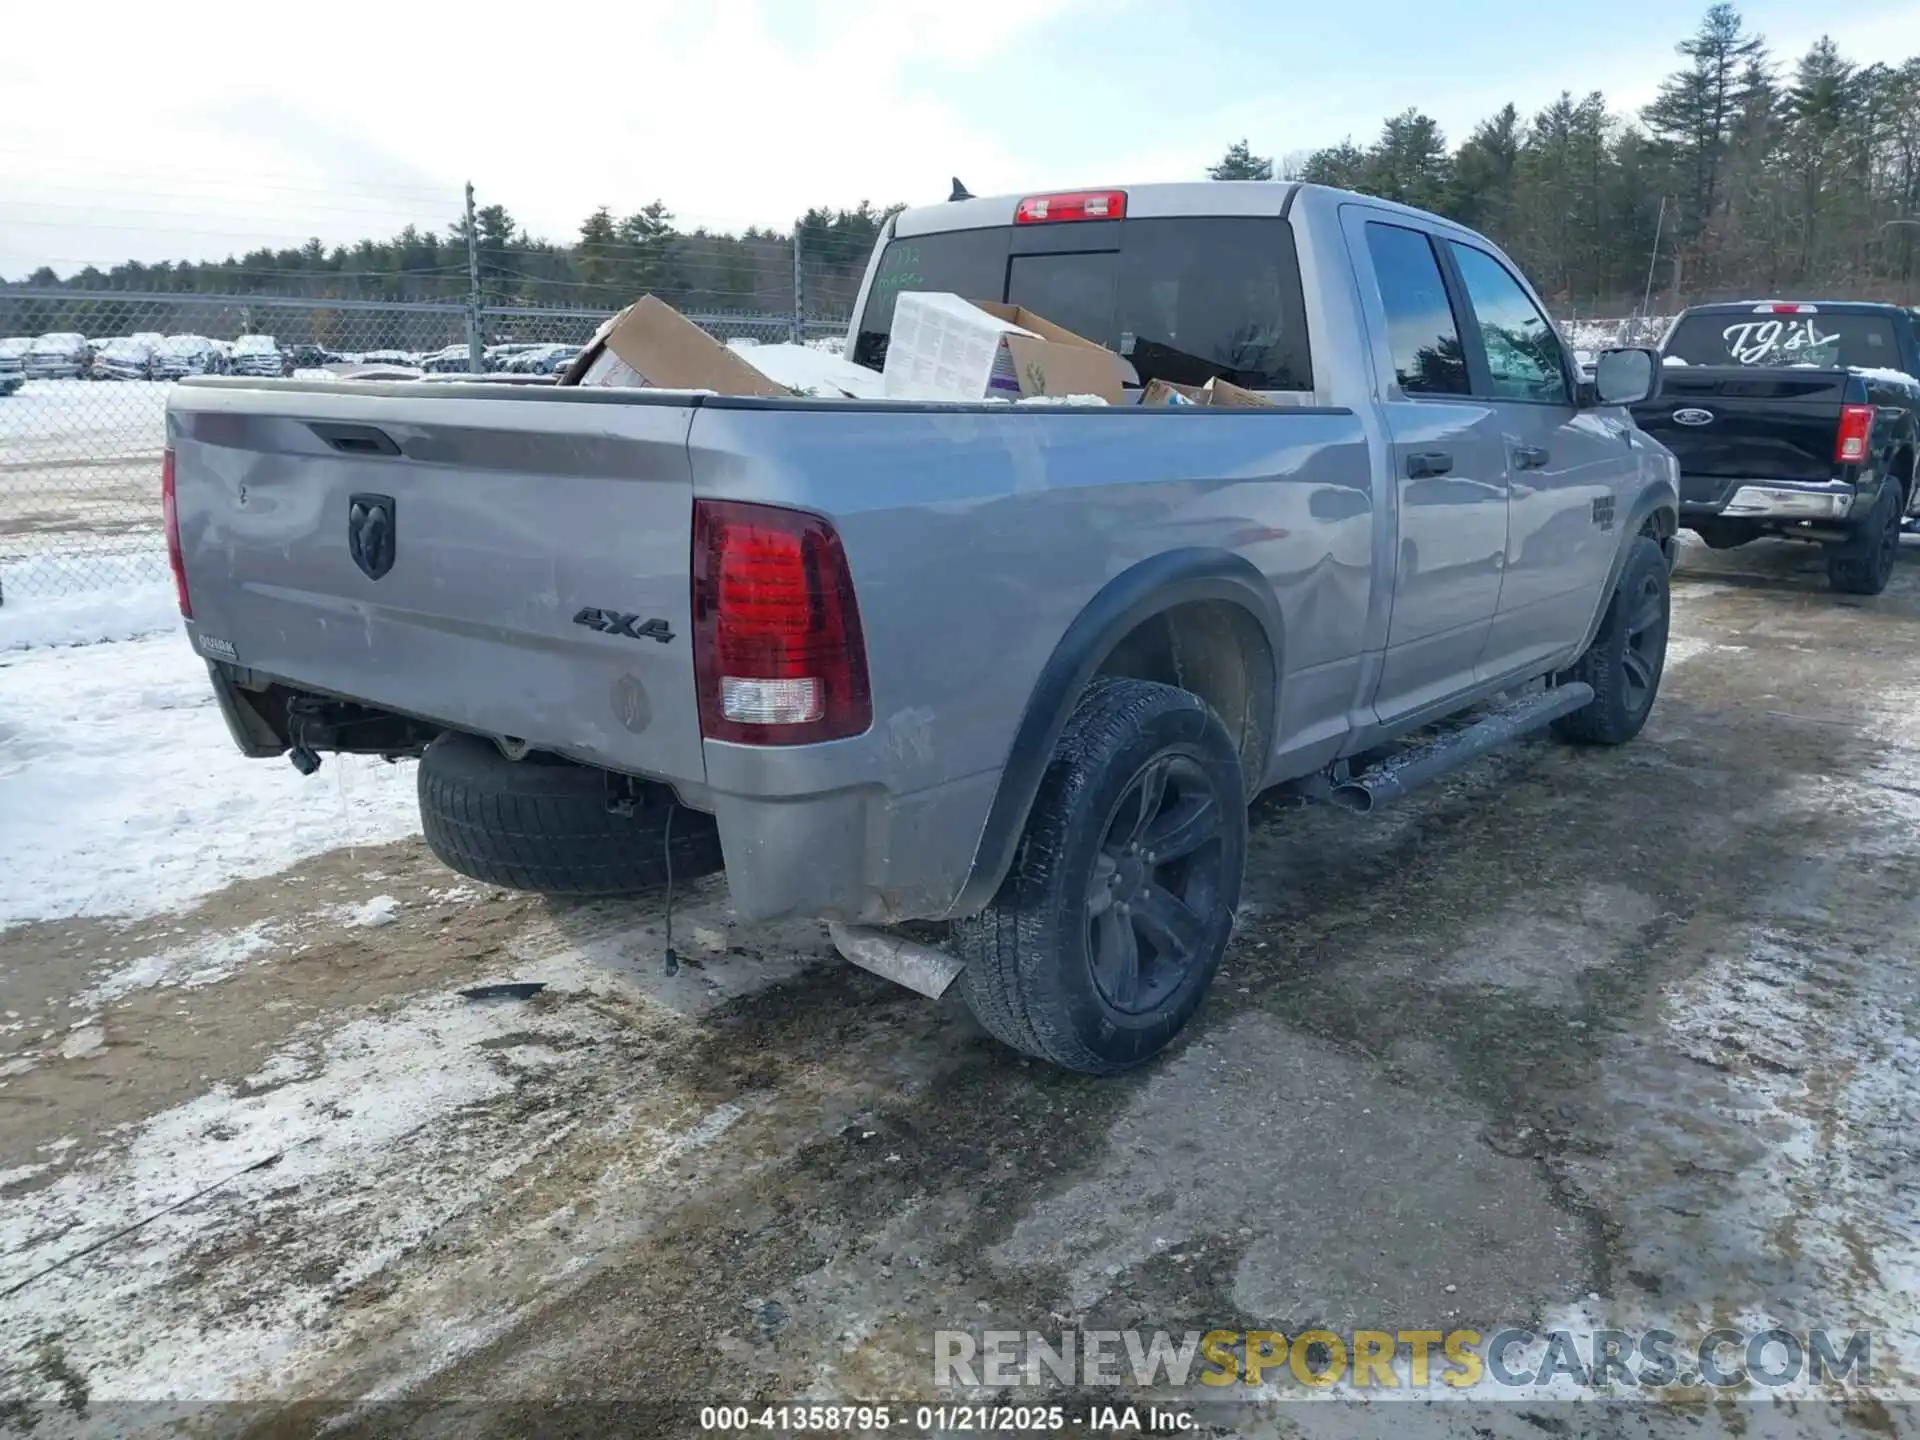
118	777
339	1155
89	619
380	910
203	962
811	370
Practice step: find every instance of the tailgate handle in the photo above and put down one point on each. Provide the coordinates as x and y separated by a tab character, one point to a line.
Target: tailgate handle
355	439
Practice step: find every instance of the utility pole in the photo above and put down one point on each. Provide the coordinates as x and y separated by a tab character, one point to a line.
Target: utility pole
1659	229
476	360
796	331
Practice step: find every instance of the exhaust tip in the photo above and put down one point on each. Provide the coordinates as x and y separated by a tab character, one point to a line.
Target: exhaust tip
1356	798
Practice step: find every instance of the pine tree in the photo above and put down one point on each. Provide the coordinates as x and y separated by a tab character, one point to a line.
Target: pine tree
1240	163
1485	172
1408	163
650	263
1694	114
1337	165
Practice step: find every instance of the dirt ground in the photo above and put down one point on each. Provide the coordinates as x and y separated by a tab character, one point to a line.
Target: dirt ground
1585	1038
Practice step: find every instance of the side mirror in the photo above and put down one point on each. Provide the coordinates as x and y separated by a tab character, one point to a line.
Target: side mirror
1626	377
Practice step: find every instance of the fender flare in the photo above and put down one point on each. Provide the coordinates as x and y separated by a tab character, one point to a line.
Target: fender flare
1656	497
1176	577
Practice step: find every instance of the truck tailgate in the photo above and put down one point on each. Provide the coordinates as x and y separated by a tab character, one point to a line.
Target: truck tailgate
513	562
1765	424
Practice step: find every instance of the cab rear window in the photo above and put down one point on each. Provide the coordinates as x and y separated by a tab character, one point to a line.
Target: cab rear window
1744	337
1185	299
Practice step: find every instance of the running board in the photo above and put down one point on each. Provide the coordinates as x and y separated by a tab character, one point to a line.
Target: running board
920	968
1420	763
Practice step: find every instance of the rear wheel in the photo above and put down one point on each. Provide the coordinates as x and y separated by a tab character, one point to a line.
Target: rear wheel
1101	943
544	824
1627	657
1864	563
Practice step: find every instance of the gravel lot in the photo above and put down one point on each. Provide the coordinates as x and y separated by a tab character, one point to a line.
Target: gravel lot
1578	1038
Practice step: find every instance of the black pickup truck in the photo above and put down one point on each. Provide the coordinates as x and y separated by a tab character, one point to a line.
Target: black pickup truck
1796	419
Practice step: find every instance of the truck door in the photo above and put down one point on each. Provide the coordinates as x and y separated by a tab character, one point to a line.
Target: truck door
1448	464
1566	467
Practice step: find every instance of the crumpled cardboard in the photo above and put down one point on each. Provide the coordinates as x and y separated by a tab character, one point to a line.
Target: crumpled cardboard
652	344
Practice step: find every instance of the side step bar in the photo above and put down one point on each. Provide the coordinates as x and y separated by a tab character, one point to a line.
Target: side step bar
1419	763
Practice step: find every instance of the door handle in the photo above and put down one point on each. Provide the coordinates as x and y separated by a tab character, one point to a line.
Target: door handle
1427	463
1530	457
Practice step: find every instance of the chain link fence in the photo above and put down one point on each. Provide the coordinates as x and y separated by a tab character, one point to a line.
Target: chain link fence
82	432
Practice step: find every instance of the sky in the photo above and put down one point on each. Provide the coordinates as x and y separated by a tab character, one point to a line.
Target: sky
151	136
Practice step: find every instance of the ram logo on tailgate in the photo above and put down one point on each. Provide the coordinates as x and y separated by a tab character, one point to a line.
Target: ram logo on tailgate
370	537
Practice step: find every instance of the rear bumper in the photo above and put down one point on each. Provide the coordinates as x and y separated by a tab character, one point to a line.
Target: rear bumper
1781	500
862	856
798	839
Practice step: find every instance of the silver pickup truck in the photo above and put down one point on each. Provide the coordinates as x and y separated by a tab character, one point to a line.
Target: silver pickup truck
1015	667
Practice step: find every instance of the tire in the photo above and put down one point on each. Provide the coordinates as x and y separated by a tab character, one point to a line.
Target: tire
1626	659
1047	967
1864	564
542	824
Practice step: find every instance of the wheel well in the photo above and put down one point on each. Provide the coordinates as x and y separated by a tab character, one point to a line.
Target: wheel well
1215	650
1661	525
1903	467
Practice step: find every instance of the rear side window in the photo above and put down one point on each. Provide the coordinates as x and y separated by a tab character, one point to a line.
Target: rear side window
1422	334
1742	337
1185	299
1524	358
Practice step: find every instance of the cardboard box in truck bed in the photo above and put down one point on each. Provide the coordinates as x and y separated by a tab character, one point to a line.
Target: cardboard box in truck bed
652	344
1219	394
943	347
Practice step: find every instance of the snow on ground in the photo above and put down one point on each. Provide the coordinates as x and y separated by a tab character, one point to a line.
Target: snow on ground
127	614
84	416
117	775
348	1147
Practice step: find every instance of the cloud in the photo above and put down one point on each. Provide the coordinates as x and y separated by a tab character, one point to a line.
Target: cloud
735	112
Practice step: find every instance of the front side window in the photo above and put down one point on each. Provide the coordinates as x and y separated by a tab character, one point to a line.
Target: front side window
1523	350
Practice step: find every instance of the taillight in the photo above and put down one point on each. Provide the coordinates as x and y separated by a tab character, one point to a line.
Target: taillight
1075	205
170	508
778	654
1856	426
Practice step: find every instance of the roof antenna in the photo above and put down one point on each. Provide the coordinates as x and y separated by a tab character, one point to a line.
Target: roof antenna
960	192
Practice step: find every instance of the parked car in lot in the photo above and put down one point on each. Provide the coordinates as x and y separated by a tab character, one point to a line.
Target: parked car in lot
59	355
404	358
1016	667
1795	419
542	360
308	356
128	358
257	355
446	360
178	356
13	355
